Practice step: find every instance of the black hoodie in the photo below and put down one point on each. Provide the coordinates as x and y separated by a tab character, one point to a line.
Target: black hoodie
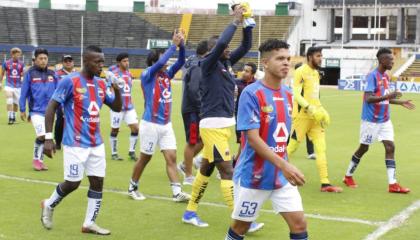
191	94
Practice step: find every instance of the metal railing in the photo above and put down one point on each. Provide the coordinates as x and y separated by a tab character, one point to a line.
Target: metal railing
365	2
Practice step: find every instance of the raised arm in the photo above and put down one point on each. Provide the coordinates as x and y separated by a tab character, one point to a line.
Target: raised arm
161	62
245	46
179	62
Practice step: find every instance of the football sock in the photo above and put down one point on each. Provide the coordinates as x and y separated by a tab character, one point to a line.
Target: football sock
55	197
113	142
133	142
14	115
39	150
133	185
93	206
9	114
176	188
198	188
390	170
321	160
227	191
231	235
353	165
299	236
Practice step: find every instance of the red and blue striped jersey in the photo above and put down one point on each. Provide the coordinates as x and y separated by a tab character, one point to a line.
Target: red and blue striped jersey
269	111
14	72
156	86
61	73
82	100
377	84
127	103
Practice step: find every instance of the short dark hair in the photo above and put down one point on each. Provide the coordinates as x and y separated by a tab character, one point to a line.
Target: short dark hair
153	56
121	56
312	50
202	47
92	48
272	44
383	51
40	51
253	67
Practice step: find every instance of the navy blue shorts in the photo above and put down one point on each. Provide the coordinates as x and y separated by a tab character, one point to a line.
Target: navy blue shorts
191	126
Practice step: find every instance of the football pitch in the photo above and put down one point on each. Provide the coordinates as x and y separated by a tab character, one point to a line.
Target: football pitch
368	212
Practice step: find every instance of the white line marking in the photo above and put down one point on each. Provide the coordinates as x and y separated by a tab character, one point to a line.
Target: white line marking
117	191
395	222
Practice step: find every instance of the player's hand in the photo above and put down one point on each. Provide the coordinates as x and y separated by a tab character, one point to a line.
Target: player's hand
238	14
23	116
408	104
325	122
178	37
293	175
394	95
49	148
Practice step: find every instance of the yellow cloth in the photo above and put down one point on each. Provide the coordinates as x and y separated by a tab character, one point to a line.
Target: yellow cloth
227	191
305	90
216	144
198	188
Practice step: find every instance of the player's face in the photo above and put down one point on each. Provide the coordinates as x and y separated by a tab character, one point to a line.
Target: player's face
247	73
316	59
277	63
68	64
16	55
124	64
94	63
41	60
388	61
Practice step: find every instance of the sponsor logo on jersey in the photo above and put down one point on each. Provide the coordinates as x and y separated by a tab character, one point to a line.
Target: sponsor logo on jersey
81	90
267	109
93	109
278	149
278	99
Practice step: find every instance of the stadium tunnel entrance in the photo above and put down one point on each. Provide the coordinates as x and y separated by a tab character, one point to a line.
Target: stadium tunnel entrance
330	75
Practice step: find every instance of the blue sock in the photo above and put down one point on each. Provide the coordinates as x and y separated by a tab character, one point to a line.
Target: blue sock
231	235
299	236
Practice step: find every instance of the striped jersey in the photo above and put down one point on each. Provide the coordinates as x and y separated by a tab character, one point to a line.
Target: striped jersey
82	100
14	72
378	84
127	103
269	111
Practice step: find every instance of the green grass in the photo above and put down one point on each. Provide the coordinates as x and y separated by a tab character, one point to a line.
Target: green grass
161	219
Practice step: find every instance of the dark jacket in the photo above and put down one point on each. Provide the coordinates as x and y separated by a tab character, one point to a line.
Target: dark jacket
218	85
191	95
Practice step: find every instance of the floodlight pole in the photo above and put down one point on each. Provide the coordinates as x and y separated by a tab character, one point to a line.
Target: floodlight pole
259	41
342	25
81	43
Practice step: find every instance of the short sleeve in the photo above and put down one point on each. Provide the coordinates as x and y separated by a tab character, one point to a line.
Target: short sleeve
248	111
64	90
371	83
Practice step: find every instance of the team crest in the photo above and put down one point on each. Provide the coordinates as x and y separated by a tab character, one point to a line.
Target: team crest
50	79
267	109
81	90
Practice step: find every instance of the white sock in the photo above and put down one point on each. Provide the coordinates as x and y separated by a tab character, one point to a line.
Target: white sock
114	143
93	206
390	170
55	198
38	150
352	166
176	188
14	115
133	142
133	185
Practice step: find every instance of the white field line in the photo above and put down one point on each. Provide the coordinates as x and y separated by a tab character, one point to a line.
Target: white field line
394	222
117	191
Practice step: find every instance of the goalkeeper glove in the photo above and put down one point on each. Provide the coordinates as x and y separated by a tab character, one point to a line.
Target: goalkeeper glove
320	115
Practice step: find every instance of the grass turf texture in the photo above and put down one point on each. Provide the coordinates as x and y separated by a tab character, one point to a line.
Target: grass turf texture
161	219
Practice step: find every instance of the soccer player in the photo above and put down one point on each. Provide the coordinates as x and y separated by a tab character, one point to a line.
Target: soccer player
263	171
128	113
13	68
309	117
190	109
68	67
309	144
38	87
217	114
155	126
376	124
82	95
248	77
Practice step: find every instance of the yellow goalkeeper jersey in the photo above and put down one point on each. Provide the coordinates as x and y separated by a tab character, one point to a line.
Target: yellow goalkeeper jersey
305	90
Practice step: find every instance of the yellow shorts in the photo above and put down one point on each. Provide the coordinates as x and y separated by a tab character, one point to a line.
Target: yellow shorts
216	144
302	127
